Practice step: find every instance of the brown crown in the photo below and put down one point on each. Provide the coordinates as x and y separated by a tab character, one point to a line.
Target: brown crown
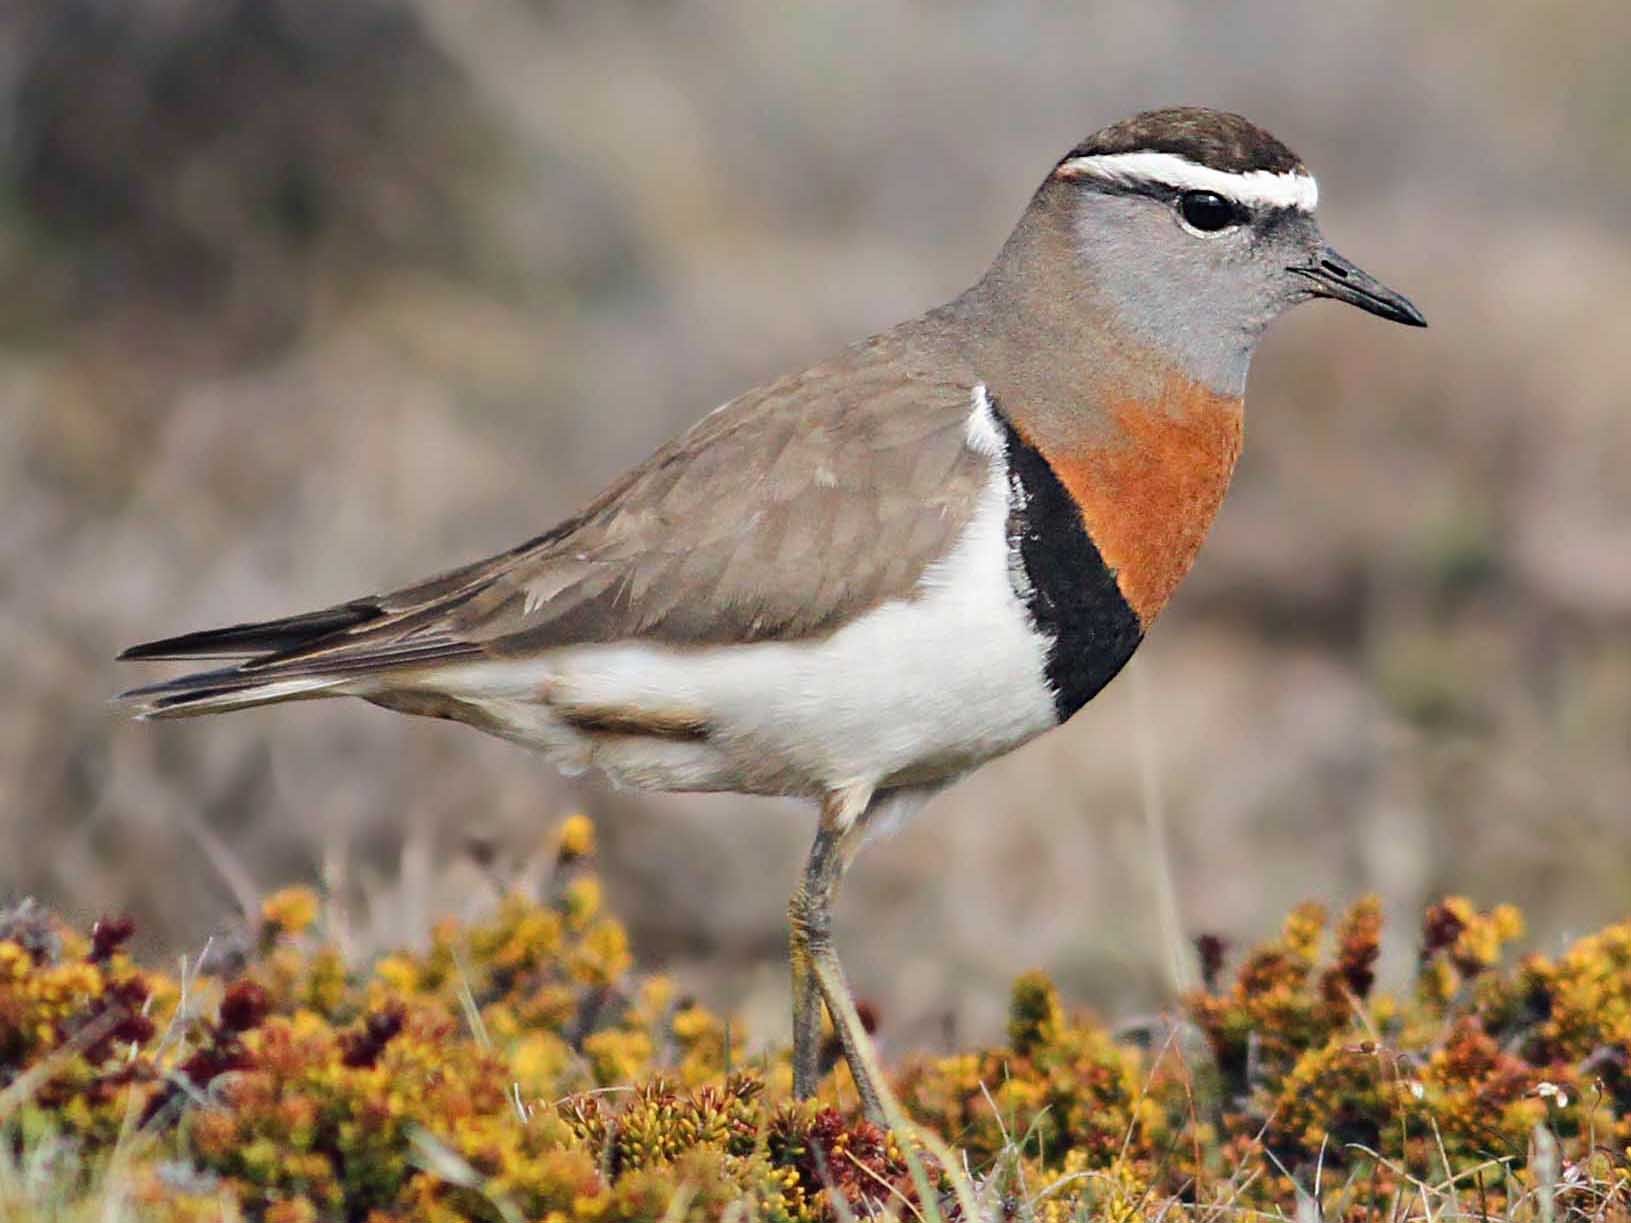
1212	138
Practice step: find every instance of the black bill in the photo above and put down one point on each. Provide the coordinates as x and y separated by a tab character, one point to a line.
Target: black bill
1334	276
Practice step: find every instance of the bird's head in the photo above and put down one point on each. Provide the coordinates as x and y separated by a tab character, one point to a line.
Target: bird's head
1195	228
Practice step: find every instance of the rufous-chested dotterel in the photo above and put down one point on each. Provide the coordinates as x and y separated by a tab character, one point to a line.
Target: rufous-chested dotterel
859	582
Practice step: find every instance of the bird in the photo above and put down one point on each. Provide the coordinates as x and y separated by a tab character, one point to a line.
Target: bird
857	583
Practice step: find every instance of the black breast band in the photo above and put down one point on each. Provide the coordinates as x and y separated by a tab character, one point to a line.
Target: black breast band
1058	572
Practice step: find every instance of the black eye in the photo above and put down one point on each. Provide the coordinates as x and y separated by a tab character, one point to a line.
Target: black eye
1208	211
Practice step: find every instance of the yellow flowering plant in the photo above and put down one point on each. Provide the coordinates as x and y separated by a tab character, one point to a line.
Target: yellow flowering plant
519	1067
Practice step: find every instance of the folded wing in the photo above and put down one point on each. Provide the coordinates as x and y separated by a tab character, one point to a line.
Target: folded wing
781	516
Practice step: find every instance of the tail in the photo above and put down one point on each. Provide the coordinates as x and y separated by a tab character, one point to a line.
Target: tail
295	658
218	692
259	640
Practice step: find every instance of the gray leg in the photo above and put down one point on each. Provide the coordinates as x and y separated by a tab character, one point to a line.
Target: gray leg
846	1021
809	919
817	974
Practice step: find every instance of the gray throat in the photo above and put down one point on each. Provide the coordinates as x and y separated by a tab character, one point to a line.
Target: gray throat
1060	326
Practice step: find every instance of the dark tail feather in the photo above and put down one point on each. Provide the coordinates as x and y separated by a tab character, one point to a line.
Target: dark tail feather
268	679
267	637
220	691
321	653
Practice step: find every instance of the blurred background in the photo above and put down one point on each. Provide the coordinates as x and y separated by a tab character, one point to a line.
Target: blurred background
303	299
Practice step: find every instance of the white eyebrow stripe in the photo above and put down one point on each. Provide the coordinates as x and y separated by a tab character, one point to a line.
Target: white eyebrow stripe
1253	188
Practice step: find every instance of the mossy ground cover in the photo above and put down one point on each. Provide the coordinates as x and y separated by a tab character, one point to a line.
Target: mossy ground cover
520	1069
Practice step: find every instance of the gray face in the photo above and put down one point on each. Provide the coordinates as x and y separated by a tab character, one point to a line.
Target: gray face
1199	279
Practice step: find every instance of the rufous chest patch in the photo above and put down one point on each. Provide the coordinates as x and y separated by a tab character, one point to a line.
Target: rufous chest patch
1149	495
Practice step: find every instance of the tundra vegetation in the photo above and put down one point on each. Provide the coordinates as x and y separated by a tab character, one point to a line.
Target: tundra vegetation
520	1068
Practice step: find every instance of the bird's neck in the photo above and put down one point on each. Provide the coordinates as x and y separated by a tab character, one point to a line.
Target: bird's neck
1063	319
1145	448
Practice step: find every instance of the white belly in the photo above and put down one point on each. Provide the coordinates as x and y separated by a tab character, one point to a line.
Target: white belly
916	690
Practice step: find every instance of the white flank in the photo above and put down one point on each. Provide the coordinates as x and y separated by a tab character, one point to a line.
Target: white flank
1253	188
983	435
914	692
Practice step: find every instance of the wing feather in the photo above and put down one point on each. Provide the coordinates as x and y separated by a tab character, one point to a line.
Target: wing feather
780	516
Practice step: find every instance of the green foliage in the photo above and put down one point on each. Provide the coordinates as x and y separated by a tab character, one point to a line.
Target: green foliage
518	1069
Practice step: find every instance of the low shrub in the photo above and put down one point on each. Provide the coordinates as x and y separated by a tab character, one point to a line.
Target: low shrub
521	1069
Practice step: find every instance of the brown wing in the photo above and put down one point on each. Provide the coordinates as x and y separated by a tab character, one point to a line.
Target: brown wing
782	515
